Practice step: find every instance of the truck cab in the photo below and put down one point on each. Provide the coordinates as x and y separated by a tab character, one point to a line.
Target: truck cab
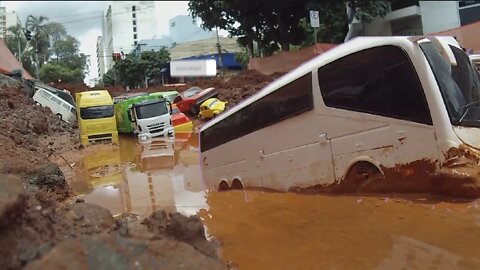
152	117
121	111
96	117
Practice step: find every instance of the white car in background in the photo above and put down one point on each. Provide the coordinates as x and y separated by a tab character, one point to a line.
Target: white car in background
60	107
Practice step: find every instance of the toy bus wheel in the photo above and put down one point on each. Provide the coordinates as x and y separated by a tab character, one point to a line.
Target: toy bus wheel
223	186
363	176
59	116
236	184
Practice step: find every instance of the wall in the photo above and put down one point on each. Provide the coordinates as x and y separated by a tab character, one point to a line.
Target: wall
439	15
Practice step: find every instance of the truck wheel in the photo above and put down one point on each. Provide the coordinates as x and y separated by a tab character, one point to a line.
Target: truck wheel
223	186
193	109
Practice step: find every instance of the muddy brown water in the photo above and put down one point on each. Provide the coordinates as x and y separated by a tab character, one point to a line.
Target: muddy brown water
267	230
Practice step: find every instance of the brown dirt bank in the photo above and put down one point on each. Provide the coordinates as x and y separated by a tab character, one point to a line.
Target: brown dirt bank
42	227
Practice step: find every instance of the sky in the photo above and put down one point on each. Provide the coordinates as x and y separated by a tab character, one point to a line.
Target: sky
82	19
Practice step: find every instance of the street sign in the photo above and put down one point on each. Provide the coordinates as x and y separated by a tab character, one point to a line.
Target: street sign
314	18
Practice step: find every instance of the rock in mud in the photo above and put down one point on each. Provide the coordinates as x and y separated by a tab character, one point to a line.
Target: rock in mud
187	229
108	251
50	177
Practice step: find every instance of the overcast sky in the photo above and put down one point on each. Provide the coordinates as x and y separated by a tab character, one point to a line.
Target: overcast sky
82	19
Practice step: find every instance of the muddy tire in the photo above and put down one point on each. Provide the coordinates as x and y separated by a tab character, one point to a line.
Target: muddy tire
59	116
223	186
237	185
363	177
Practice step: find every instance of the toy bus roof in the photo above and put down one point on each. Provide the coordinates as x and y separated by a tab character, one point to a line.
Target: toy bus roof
356	44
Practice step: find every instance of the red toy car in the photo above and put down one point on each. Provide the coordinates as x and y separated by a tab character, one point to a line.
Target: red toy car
189	101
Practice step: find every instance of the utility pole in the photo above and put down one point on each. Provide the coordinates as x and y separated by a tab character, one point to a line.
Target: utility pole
19	51
220	58
36	61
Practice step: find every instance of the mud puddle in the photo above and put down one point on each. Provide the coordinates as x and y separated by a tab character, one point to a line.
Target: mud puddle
261	230
266	230
140	179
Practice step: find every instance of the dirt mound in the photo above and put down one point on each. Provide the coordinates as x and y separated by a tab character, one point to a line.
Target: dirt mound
24	148
72	87
43	232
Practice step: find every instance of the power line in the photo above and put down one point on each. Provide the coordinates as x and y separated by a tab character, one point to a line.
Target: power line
98	17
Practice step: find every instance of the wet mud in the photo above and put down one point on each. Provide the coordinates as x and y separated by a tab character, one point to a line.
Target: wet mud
459	177
260	230
45	224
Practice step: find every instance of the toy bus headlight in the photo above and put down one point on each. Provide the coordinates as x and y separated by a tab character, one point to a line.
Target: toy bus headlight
144	138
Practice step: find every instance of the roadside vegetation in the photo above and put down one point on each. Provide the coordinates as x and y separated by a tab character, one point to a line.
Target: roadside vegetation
48	45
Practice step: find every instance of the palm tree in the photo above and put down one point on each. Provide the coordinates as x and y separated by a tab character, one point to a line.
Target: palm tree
40	39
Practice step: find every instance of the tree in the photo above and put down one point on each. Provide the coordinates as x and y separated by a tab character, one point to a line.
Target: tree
132	70
40	38
66	62
17	43
58	72
284	23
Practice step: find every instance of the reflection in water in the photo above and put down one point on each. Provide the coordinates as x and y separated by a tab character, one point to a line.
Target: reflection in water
142	178
261	230
289	231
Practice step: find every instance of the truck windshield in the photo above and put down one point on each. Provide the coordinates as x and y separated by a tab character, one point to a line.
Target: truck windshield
459	85
151	110
96	112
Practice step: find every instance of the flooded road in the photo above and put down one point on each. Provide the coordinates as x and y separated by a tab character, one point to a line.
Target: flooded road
142	178
262	230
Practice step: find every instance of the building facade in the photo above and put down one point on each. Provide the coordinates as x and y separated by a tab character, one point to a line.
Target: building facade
125	23
182	29
412	17
7	20
101	57
3	22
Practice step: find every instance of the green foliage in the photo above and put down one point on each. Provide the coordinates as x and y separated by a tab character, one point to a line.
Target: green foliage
58	72
282	23
58	52
242	58
132	70
109	77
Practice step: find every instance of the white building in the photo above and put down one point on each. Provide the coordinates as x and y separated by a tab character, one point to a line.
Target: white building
7	19
420	18
3	22
125	23
12	19
101	57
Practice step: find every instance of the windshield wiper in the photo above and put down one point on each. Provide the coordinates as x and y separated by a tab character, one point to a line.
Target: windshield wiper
466	108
